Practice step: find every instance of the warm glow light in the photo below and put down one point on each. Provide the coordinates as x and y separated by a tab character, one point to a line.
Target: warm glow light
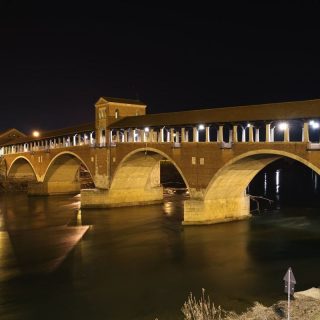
146	129
248	125
283	126
201	127
36	134
314	125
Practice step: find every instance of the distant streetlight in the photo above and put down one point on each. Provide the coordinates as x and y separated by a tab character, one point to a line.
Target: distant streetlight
248	125
36	134
201	127
146	129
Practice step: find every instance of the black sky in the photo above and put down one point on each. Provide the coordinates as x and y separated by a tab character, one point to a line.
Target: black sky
57	58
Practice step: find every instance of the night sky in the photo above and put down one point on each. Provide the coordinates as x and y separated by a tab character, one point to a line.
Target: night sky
57	58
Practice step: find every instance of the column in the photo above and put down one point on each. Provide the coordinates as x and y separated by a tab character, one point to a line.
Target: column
79	139
268	132
305	132
251	134
286	134
125	136
187	136
257	135
235	133
183	134
195	134
272	134
177	137
151	135
171	134
117	136
161	137
207	134
220	134
243	137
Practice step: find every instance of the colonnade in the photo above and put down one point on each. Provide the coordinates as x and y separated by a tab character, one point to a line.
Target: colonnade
46	144
221	133
212	133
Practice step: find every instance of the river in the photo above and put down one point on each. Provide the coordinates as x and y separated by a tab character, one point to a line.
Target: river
60	262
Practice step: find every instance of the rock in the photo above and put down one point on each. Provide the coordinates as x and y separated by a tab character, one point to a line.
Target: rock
312	293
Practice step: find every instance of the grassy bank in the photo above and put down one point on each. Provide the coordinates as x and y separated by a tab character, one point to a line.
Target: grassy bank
303	307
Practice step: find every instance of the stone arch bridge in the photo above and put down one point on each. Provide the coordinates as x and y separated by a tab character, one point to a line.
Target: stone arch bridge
215	164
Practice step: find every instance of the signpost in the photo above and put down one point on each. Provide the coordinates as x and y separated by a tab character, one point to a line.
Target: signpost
289	282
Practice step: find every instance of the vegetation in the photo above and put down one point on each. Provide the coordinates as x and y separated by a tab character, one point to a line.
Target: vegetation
302	308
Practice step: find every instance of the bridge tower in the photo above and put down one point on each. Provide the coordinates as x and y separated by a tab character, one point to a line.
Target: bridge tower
109	110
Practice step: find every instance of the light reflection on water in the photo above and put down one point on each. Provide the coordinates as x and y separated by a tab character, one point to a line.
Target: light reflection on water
144	259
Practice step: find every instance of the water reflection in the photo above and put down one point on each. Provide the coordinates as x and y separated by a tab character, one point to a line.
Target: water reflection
265	185
277	181
143	258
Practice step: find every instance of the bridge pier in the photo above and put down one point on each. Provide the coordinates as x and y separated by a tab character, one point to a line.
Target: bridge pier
214	211
100	198
53	188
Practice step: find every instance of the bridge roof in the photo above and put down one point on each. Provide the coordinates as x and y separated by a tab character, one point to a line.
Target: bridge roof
53	133
10	135
307	109
123	100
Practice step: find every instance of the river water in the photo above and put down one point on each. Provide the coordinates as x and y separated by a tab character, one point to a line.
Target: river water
59	262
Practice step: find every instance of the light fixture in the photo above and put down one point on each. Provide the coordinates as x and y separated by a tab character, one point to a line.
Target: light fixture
146	129
248	125
283	126
36	134
314	124
201	127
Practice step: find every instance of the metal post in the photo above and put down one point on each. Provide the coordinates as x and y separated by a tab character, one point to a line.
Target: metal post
289	290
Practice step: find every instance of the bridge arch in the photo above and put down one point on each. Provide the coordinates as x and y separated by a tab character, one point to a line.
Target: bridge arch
22	168
64	167
148	160
233	178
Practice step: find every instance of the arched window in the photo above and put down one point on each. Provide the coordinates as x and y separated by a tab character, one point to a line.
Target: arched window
116	114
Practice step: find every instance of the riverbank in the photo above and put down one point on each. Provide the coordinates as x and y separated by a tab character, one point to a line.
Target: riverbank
304	306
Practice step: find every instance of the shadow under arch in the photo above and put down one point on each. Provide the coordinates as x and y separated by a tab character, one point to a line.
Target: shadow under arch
233	178
64	167
147	158
22	168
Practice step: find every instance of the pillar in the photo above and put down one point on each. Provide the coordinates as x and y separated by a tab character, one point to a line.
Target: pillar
220	134
243	137
195	134
151	135
251	134
208	134
257	134
161	135
183	134
268	132
235	133
172	135
286	134
305	132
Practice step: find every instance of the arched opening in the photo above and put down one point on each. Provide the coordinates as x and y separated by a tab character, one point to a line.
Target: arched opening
67	167
137	179
19	175
236	179
66	174
171	179
285	182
